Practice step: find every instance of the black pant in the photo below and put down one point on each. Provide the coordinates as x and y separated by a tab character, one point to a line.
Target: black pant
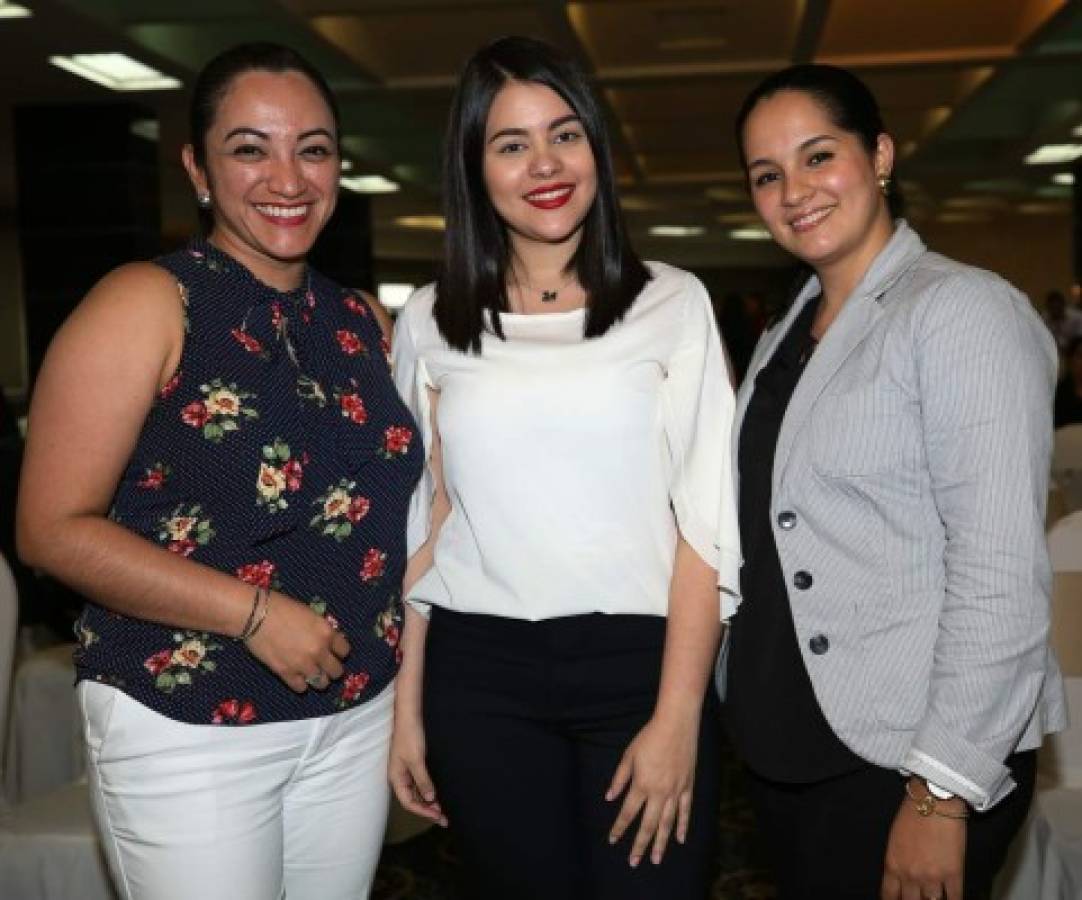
526	723
829	838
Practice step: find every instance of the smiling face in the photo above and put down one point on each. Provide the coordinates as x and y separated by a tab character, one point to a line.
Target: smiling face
815	185
538	166
271	170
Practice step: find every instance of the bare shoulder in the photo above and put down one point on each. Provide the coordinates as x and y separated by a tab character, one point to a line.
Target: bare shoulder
139	291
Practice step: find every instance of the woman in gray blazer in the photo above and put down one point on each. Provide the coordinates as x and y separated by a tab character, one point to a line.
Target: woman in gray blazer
887	676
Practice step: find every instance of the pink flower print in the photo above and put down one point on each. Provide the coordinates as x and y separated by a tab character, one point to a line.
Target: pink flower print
349	342
259	574
276	315
195	414
352	686
159	662
183	547
396	440
248	342
358	508
373	565
153	478
233	711
293	472
169	387
353	408
355	306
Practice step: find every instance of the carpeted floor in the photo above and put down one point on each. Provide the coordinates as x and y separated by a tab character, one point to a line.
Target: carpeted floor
425	868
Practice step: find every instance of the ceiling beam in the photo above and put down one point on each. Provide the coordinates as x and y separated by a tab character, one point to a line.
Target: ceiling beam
810	31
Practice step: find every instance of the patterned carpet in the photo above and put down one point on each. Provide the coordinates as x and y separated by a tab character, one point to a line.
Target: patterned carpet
425	868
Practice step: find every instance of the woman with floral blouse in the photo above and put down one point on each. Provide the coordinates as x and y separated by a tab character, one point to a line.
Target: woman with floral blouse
219	461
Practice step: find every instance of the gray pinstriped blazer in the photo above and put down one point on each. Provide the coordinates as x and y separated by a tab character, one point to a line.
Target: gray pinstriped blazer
915	454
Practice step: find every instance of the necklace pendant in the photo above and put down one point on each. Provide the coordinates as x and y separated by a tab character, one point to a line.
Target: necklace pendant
549	296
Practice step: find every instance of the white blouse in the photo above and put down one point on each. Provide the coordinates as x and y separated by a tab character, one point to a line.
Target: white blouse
571	463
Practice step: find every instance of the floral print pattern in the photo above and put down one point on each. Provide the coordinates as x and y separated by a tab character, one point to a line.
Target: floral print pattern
221	473
233	712
175	667
396	441
373	565
279	473
184	529
353	685
155	477
339	510
220	411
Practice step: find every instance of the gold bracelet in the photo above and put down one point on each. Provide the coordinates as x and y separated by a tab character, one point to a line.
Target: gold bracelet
926	806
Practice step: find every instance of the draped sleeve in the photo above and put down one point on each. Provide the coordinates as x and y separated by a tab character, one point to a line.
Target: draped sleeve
698	409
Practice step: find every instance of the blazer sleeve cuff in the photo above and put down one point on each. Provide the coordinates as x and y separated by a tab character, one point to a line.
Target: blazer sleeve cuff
958	766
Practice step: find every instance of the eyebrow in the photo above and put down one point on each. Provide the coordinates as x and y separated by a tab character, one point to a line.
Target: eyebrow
810	142
255	132
518	132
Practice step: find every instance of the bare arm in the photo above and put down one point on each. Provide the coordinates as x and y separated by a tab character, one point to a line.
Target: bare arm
407	771
96	386
659	764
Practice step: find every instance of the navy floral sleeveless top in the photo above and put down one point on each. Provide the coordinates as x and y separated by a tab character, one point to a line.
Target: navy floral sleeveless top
281	453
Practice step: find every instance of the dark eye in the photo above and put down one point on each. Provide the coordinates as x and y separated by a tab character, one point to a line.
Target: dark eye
765	179
512	147
248	151
568	136
317	151
819	157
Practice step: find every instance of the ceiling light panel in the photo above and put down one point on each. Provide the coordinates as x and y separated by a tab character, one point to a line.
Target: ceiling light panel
115	71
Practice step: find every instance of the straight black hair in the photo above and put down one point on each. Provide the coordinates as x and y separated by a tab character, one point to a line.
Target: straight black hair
476	246
848	103
216	76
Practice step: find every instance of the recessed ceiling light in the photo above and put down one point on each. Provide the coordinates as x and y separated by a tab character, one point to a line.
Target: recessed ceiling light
347	164
750	234
13	11
425	223
677	231
115	71
368	184
1066	178
1077	131
1054	153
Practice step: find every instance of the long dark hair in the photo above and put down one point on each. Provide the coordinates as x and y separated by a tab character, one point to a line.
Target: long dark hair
848	103
476	247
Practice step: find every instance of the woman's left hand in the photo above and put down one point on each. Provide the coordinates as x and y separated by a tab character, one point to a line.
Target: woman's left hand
925	854
659	766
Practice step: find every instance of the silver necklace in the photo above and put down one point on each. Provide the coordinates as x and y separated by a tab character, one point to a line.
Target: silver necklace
550	295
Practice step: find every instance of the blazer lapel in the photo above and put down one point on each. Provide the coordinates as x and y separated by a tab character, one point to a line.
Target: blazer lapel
858	316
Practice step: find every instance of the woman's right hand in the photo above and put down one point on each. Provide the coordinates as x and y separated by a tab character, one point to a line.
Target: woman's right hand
298	645
408	773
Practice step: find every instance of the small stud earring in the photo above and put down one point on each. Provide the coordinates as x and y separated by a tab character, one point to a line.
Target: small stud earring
884	184
203	200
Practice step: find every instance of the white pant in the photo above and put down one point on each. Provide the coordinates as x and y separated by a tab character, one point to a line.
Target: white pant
246	813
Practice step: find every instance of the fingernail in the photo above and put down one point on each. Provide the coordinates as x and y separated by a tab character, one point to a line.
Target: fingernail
612	838
608	795
634	861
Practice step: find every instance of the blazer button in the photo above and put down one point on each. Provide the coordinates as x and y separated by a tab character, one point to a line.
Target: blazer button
787	520
819	644
802	580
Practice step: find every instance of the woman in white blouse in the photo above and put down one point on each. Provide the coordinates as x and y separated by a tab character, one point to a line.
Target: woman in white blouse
574	547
